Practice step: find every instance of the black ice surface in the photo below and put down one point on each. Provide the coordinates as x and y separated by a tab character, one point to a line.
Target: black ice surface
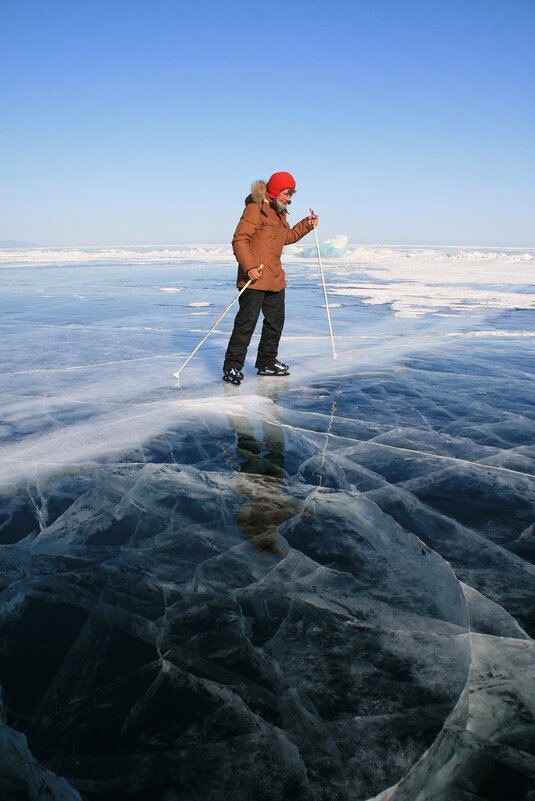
334	601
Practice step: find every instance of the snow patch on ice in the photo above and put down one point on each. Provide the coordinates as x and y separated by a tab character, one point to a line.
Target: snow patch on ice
414	299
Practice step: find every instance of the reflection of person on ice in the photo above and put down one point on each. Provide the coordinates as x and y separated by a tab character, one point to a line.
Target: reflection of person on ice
258	241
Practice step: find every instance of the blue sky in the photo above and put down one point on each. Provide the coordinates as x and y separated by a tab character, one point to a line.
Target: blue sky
145	121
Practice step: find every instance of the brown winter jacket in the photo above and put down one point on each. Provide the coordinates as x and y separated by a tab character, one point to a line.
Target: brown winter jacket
260	237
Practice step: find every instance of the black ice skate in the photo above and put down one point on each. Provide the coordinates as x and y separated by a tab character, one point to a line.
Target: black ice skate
233	376
276	368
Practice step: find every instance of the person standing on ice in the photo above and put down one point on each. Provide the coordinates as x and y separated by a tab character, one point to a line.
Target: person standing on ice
258	241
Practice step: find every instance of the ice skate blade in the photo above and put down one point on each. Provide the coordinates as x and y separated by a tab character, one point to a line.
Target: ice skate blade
230	380
273	375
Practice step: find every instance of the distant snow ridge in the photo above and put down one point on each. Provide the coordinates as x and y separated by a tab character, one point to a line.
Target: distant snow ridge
480	256
334	248
124	255
337	248
427	255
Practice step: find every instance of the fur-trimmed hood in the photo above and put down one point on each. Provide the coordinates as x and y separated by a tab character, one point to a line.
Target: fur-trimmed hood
258	193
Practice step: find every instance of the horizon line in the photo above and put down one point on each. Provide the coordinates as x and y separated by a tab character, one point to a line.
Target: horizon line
31	246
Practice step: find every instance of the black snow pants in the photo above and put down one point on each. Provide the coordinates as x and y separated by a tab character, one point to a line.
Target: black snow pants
251	302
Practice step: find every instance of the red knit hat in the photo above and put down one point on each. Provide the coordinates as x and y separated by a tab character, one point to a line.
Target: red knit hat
278	182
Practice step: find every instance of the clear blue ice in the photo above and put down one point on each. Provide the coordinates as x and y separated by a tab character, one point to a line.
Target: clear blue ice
320	586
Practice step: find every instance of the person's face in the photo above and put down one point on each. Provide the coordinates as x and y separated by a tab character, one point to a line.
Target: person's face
285	197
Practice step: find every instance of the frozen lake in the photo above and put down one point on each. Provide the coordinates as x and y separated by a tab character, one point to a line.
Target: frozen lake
313	587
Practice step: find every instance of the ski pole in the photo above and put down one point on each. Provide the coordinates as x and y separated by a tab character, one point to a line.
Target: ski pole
242	290
324	288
